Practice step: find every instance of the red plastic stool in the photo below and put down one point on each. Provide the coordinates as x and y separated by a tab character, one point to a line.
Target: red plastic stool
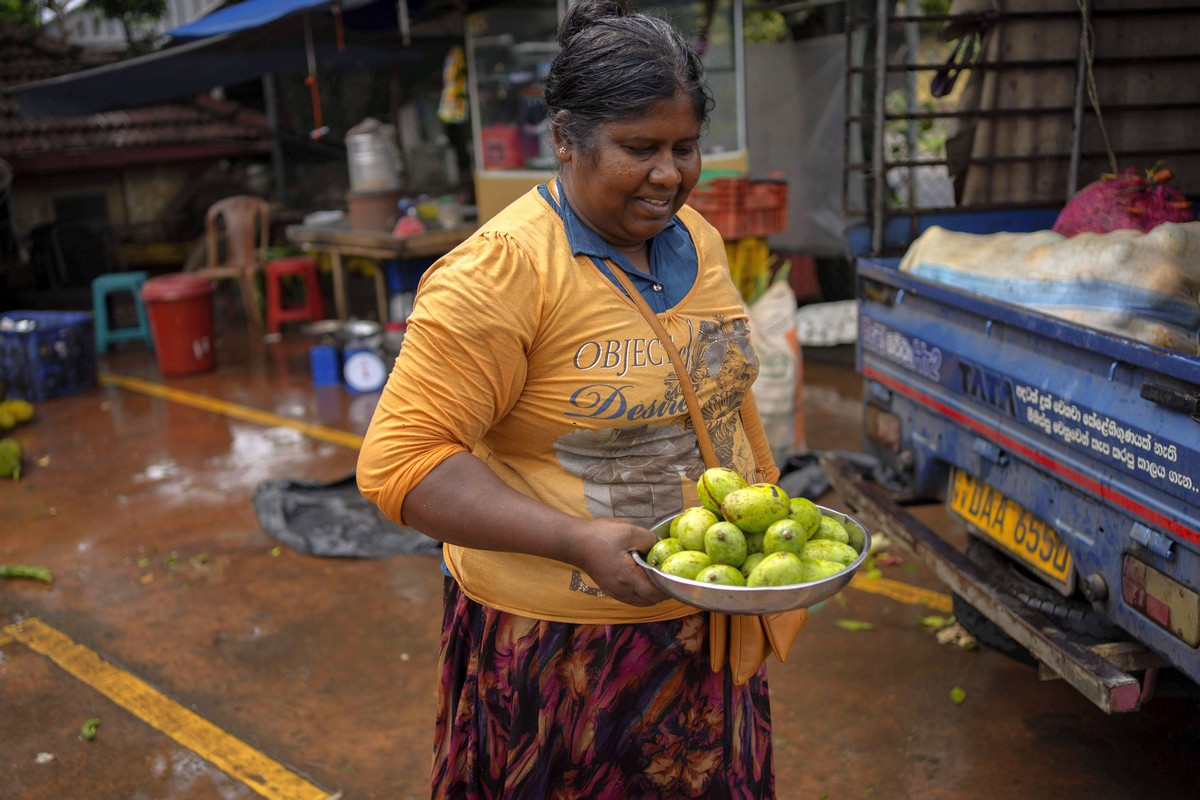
312	308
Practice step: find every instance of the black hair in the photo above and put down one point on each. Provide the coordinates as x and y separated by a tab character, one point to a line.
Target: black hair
615	64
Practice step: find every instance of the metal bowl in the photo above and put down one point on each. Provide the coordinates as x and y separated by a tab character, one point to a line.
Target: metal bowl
322	329
756	600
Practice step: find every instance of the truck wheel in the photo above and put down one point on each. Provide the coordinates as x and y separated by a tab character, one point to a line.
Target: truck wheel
1070	615
988	633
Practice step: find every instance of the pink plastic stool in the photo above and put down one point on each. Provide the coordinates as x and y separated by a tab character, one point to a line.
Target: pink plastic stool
311	310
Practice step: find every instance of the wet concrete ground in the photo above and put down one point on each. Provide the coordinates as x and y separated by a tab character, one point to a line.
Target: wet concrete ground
222	665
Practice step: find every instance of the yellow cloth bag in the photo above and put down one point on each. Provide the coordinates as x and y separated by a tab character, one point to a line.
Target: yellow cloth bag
746	641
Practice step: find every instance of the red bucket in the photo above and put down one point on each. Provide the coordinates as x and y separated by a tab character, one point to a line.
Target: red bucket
180	310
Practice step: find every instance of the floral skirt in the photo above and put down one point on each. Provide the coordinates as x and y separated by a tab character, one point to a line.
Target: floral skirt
558	711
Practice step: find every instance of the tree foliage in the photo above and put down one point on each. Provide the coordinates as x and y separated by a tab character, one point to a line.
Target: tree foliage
137	17
25	13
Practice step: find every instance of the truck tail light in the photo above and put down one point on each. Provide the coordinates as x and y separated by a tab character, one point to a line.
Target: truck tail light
1163	599
882	427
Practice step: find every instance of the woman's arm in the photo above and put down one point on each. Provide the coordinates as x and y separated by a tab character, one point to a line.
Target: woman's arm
759	443
490	515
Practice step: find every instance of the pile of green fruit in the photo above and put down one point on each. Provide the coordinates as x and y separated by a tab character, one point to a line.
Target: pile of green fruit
12	414
753	535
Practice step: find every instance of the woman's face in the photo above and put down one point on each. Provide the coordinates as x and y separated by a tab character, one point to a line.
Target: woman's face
639	174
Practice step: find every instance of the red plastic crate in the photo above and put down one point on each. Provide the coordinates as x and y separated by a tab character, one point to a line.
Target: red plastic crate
503	147
741	207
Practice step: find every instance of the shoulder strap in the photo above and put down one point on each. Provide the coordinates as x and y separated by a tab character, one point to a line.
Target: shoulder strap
685	382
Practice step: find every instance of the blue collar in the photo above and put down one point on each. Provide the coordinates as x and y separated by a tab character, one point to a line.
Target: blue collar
673	260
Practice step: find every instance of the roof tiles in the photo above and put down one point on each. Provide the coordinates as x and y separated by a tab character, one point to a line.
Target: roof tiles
200	121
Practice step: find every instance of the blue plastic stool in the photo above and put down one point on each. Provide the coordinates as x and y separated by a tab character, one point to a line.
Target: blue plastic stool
105	285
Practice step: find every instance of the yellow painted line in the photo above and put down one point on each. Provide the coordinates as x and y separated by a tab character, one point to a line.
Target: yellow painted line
205	403
904	592
4	638
267	777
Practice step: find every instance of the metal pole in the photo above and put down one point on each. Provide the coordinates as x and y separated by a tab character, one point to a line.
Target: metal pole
912	40
271	100
1081	68
879	195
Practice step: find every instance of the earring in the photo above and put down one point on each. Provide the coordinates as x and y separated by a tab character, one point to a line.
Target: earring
562	151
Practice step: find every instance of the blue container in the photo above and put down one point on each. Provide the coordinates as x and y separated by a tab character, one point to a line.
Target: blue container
45	354
325	362
404	275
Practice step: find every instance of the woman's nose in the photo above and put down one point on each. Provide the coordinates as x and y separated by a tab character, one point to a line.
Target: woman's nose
665	172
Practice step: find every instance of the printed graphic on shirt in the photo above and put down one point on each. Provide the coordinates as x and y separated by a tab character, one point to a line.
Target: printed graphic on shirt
631	473
634	472
726	358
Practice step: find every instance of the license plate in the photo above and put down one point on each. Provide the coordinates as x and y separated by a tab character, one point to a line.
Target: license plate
1016	530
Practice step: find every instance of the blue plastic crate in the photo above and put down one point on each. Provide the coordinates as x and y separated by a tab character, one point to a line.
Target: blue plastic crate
45	354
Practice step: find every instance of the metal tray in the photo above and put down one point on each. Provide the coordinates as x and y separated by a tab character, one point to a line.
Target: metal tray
756	600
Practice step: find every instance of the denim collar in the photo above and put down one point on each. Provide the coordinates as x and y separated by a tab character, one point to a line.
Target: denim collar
673	260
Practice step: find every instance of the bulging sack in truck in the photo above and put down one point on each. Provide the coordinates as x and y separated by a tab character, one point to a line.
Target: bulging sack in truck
1141	285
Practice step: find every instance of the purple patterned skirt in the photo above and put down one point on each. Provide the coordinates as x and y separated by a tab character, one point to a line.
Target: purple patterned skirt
559	711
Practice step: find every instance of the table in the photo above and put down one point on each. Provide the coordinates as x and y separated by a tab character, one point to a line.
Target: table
340	239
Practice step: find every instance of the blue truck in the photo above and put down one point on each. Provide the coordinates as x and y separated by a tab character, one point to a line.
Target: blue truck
1071	455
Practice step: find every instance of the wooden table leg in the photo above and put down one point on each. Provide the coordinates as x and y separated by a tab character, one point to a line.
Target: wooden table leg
381	297
339	283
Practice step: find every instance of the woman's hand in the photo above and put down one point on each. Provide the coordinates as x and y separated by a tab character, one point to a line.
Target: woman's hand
494	516
601	548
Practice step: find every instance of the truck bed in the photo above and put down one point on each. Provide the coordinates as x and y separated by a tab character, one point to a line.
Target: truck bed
1095	434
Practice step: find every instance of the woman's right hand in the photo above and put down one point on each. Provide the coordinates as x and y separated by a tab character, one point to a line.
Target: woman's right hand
602	548
498	517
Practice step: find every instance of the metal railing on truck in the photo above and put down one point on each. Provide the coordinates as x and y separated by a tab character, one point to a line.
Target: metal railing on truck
990	109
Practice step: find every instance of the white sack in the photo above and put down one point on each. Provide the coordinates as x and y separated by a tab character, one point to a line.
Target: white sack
1145	286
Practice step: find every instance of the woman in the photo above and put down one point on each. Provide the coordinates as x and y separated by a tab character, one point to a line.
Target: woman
534	425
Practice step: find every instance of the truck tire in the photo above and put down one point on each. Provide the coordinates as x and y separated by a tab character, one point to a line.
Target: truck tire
1069	614
988	633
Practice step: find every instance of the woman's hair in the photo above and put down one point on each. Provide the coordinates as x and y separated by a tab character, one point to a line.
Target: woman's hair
615	64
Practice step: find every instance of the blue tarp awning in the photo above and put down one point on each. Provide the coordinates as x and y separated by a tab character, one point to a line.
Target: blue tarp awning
243	42
252	14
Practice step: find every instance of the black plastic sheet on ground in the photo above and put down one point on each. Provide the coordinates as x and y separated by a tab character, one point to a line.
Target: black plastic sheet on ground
333	519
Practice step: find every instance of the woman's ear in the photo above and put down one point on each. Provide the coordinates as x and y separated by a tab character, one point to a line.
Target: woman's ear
562	148
562	151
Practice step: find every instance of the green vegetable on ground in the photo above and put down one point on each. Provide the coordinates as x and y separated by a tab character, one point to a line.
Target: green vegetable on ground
88	731
10	458
29	571
854	625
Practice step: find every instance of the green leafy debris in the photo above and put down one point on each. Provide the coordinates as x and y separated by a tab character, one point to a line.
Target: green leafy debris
855	625
958	695
88	731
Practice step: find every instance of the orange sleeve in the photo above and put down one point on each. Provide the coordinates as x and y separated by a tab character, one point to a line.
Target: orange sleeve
461	367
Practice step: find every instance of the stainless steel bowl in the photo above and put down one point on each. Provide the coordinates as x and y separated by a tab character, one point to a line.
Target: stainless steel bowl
756	600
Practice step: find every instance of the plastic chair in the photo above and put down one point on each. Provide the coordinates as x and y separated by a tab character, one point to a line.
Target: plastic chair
310	310
106	332
242	223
